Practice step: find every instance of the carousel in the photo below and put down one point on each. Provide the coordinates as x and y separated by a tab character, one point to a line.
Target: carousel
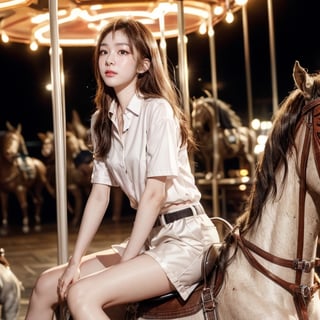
66	23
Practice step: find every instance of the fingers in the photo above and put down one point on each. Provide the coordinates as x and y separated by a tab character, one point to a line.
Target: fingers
62	289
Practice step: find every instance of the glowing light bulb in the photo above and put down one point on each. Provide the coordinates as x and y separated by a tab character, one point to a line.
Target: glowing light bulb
4	37
229	17
34	46
203	28
210	32
218	10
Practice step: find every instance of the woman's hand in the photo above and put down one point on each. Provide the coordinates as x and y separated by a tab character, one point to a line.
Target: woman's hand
70	275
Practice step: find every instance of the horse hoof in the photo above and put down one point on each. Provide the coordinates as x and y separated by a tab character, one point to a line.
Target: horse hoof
37	228
25	229
3	231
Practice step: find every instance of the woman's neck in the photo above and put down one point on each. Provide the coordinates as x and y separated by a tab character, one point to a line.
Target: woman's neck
125	95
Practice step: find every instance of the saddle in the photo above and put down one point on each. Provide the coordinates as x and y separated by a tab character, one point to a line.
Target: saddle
171	306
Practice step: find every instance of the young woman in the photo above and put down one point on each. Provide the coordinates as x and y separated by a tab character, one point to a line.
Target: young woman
140	139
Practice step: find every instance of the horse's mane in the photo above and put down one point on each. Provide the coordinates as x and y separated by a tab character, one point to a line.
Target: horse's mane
227	117
280	142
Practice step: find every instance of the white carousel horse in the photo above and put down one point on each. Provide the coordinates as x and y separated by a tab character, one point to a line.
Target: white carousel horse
266	265
10	290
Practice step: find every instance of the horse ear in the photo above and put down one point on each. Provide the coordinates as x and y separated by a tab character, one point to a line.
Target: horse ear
9	126
19	128
41	136
302	80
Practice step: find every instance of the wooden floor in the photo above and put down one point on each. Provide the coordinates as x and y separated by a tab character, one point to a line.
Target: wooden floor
30	254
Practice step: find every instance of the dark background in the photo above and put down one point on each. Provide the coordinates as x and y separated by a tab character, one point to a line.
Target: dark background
24	74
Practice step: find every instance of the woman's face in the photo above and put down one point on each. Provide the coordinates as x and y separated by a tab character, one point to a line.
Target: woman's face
118	63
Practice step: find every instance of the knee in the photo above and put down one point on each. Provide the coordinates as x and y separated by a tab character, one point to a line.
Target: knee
77	298
45	283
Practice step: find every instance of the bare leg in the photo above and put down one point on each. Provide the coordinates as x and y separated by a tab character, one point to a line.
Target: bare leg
131	281
44	297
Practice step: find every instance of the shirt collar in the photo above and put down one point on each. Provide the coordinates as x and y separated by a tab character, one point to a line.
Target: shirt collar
134	105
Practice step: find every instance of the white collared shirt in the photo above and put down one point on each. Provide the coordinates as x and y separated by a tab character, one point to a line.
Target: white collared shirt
149	146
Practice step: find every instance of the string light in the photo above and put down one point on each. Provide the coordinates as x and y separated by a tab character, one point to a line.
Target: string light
241	2
26	25
14	3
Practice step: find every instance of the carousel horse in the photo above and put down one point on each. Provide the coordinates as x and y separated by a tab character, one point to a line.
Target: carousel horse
76	126
10	290
233	139
82	132
21	175
78	181
79	168
266	265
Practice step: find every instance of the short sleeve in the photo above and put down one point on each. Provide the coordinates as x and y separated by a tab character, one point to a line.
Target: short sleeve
162	141
100	174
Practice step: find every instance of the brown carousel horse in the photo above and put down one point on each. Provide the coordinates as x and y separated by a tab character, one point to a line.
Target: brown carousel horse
233	139
21	175
78	181
81	131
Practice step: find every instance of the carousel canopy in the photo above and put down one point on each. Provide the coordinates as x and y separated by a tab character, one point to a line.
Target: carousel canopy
27	21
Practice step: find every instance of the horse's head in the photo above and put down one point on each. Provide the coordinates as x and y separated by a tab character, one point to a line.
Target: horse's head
308	88
47	148
73	144
295	139
13	144
202	115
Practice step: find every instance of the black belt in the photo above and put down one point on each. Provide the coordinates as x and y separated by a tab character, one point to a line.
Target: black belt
180	214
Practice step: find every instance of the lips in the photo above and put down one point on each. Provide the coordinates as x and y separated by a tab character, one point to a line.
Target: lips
110	73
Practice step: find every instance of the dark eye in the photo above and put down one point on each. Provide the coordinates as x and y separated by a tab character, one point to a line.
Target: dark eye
123	52
103	52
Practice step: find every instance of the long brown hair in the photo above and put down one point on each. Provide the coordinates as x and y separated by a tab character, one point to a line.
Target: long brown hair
154	83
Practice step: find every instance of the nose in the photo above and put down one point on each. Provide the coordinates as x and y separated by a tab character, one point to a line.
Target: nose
109	59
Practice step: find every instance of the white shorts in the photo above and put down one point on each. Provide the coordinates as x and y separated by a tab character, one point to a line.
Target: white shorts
179	248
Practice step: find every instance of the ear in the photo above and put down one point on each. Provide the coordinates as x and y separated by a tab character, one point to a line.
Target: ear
303	80
144	66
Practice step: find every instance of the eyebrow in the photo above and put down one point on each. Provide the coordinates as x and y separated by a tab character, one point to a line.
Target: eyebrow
117	44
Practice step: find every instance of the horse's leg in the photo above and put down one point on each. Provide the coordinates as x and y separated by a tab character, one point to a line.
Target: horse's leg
4	210
21	194
38	202
78	202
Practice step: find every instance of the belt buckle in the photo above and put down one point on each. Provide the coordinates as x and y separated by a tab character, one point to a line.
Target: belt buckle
196	209
162	220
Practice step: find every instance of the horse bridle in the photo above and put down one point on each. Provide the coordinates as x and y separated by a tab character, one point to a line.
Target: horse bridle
302	294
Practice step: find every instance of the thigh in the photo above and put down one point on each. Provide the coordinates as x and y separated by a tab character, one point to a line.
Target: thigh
98	261
90	263
134	280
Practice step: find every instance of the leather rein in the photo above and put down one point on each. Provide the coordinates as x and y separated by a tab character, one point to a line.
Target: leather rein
302	294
